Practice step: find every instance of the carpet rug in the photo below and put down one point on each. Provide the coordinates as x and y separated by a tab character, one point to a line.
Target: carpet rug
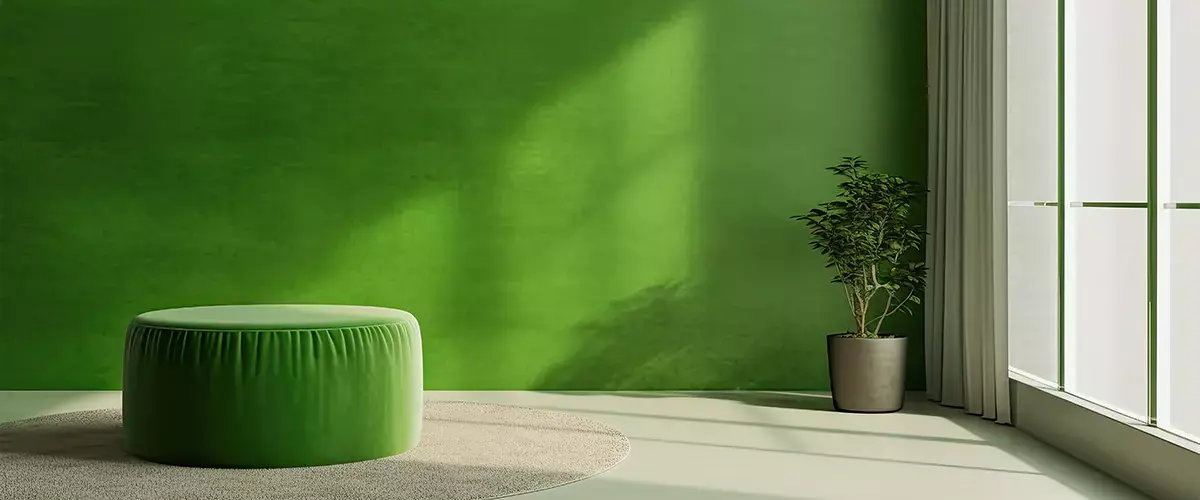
468	451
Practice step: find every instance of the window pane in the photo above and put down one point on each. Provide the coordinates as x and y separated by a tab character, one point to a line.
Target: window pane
1033	291
1032	100
1184	101
1179	230
1106	299
1106	100
1179	335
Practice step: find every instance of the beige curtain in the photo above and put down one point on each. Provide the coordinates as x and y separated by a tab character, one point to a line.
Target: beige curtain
966	331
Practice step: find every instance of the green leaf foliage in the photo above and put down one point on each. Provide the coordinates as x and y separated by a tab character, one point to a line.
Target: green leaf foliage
868	236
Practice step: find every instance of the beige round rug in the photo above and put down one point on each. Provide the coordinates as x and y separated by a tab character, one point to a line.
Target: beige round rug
467	451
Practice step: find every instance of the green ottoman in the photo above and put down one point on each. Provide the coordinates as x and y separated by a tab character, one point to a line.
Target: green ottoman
259	386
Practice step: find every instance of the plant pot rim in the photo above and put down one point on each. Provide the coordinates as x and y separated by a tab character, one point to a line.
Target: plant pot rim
894	336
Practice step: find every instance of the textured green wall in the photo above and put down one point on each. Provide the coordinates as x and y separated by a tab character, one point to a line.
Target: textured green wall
569	194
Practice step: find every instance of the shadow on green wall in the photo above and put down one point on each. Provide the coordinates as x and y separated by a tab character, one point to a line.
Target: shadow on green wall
670	338
673	337
789	92
164	154
157	155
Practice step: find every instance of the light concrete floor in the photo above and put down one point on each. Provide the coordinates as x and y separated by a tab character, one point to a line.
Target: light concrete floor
769	446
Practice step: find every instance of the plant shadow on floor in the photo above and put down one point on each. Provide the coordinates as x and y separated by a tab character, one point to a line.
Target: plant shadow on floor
915	404
766	399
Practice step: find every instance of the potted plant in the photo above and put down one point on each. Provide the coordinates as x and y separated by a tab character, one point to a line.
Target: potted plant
871	241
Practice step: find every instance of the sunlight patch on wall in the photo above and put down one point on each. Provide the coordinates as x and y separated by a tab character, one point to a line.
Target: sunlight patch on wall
598	193
415	242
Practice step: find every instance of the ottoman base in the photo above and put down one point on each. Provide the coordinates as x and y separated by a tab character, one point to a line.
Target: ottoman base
334	384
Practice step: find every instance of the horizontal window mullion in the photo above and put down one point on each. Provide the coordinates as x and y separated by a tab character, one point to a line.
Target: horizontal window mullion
1109	204
1110	407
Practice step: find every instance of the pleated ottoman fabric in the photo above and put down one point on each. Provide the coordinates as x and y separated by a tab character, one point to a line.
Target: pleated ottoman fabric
264	386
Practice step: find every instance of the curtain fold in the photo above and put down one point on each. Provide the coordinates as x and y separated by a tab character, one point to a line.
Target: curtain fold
966	336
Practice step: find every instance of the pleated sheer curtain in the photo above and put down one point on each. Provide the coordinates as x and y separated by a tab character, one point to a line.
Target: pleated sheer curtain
966	309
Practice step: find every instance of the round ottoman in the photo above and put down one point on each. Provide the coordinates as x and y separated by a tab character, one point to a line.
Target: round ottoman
257	386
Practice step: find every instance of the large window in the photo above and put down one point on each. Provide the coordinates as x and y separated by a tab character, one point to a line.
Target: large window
1033	187
1104	203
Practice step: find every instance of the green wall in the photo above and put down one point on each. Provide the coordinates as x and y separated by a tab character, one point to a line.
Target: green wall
568	194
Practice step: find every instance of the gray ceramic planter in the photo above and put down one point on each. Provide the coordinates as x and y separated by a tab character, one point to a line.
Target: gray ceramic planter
867	375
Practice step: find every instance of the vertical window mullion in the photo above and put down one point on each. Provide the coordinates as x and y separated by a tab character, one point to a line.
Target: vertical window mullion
1152	211
1062	198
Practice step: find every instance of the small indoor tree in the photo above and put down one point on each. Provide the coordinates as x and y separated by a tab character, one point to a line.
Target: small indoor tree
869	238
